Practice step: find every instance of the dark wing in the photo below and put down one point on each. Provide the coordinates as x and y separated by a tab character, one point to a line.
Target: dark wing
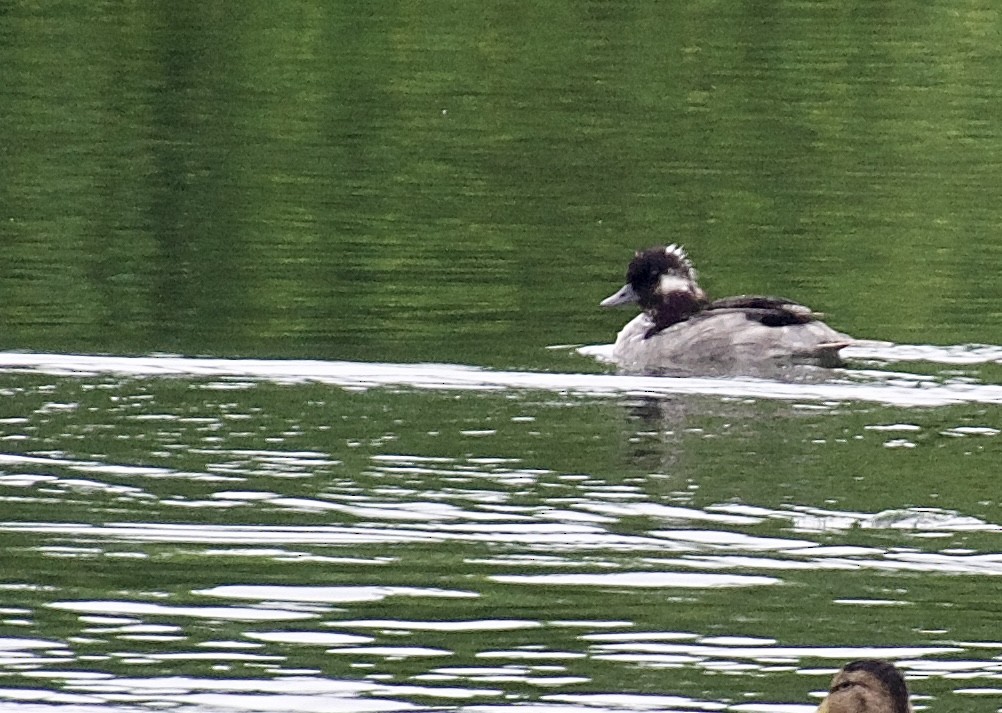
770	311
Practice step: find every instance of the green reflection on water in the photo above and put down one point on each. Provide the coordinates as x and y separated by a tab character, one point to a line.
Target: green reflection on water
441	183
500	460
463	183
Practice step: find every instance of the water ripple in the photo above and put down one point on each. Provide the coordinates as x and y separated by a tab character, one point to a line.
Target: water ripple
880	387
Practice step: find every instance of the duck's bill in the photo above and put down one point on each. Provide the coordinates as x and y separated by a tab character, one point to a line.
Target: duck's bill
625	296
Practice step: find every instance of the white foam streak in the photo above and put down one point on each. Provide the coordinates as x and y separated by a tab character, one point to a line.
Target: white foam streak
903	390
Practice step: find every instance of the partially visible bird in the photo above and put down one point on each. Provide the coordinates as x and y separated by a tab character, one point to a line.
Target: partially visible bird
867	686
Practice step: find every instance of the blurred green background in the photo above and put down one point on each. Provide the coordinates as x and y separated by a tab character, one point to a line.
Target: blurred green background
462	182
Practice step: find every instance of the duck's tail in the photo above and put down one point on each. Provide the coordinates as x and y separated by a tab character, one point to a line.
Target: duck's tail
827	354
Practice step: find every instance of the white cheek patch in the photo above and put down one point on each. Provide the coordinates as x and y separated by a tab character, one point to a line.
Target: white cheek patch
673	283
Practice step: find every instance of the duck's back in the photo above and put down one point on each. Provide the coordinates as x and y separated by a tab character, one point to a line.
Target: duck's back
725	341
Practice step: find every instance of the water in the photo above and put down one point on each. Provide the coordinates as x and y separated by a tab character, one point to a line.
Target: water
269	535
304	401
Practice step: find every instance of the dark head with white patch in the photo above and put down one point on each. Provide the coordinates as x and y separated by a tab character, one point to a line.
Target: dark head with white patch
662	281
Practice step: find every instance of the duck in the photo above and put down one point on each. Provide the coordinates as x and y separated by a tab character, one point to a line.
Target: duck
681	331
867	686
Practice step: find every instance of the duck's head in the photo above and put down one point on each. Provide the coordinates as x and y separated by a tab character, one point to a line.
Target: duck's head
654	273
662	281
867	686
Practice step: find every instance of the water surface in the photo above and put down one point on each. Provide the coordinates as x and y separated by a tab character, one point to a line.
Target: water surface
303	405
261	539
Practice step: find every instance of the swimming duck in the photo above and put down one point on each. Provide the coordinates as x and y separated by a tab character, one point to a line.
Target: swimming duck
682	331
867	686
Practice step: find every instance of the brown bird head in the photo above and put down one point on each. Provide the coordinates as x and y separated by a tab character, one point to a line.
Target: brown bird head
867	686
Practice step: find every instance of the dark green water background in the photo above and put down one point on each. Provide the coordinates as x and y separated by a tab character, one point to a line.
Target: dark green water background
462	182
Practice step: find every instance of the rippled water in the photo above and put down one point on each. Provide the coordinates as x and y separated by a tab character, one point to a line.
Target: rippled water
423	492
208	534
889	387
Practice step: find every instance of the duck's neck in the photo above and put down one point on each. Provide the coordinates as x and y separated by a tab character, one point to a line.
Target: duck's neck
673	308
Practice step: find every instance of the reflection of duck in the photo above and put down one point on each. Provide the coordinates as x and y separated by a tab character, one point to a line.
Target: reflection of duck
867	686
680	329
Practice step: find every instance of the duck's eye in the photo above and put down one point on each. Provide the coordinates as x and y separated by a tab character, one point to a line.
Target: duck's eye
841	686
